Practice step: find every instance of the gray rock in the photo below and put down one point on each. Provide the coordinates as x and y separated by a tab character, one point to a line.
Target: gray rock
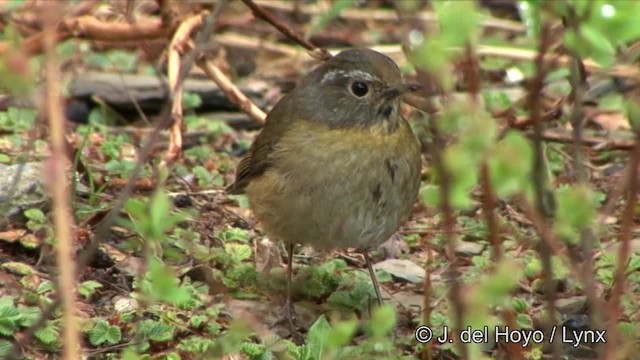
467	248
20	189
394	247
403	269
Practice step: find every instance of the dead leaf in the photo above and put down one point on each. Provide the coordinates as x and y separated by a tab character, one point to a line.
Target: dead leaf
12	235
267	256
608	120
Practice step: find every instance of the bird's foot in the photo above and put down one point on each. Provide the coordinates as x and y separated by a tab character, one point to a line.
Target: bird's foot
288	317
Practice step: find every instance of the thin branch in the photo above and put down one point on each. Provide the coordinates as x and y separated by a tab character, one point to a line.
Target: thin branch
626	234
449	222
260	13
540	180
578	82
597	143
61	212
89	27
178	47
233	93
178	68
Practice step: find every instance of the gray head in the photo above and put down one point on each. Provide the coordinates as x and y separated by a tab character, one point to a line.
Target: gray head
356	88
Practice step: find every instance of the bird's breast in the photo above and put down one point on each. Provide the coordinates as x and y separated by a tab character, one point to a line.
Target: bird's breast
337	187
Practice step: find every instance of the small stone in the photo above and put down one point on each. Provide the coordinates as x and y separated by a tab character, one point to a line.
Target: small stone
123	304
25	193
467	248
402	269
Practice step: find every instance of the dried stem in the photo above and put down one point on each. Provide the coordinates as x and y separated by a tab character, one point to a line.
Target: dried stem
265	15
233	93
89	27
540	180
427	352
179	67
63	220
178	47
598	143
587	237
488	208
626	234
455	294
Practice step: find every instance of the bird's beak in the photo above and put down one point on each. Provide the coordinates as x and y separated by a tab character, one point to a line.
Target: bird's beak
400	90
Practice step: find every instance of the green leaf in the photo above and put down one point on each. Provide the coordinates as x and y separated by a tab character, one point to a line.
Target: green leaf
494	287
632	110
430	195
18	268
164	283
5	347
197	320
238	252
530	15
172	356
433	57
160	206
35	215
602	50
510	165
576	209
49	334
454	32
103	333
383	320
463	171
628	330
519	305
191	100
9	318
318	334
235	234
196	344
88	288
29	315
341	333
524	321
155	330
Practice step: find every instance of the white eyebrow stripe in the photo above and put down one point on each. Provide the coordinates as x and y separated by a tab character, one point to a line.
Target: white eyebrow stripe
359	74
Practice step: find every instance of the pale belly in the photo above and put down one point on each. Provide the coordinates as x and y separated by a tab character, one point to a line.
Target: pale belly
339	196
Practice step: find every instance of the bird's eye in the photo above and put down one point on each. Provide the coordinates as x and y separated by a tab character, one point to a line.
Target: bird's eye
359	88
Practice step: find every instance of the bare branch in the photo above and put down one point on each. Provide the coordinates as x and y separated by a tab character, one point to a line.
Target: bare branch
62	209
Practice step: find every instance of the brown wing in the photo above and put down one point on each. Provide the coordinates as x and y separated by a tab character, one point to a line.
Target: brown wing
258	160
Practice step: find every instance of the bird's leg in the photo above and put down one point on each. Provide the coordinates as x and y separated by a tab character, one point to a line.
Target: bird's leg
289	312
372	273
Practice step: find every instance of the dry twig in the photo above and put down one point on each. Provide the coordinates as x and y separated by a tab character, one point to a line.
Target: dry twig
259	12
539	179
233	93
179	68
620	275
62	209
89	27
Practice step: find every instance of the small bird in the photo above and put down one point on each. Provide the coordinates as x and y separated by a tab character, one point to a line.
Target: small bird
336	165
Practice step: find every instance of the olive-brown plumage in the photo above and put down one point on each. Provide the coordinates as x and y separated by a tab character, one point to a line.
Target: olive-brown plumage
335	164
